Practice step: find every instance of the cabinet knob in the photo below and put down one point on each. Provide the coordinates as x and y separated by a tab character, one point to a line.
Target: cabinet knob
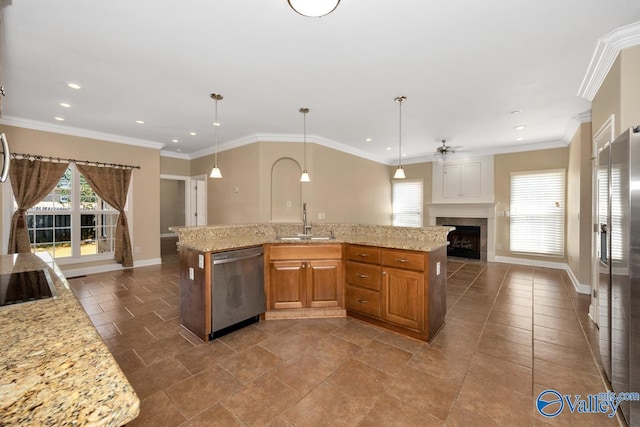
363	255
384	272
362	301
362	276
401	260
304	264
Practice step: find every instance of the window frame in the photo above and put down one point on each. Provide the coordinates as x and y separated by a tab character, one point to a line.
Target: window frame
76	222
394	214
545	218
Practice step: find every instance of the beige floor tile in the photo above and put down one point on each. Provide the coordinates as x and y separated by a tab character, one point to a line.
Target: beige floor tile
303	372
157	410
360	381
215	416
251	364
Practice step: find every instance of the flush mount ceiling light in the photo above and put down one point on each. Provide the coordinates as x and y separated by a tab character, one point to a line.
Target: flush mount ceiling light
305	175
215	172
313	8
399	172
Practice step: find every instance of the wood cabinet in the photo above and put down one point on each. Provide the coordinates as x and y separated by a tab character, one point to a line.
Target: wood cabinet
305	276
398	289
195	292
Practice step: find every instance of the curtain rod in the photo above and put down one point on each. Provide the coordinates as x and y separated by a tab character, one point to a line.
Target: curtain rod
59	159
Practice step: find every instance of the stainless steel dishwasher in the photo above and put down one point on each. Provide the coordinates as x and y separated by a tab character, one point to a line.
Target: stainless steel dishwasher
237	295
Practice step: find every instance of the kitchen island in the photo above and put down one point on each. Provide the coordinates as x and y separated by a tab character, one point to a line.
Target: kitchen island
323	274
56	370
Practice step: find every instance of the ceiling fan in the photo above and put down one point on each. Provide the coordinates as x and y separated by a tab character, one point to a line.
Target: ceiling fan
445	150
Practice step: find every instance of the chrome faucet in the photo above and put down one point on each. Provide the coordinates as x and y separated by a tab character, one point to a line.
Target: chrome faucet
306	228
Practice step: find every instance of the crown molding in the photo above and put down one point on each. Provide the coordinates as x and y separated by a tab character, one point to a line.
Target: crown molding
491	151
270	137
173	154
605	55
83	133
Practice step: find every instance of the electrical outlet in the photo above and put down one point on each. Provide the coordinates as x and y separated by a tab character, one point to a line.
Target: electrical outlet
137	249
321	215
288	203
438	268
191	273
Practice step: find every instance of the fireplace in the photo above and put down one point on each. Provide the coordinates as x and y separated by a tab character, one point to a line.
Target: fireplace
469	239
464	241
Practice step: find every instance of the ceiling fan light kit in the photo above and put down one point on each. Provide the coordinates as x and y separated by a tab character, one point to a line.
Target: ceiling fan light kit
314	8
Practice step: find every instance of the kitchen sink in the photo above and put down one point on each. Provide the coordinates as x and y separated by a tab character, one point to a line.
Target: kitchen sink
301	237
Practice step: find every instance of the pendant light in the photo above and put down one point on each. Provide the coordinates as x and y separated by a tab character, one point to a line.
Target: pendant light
215	172
314	8
305	175
400	172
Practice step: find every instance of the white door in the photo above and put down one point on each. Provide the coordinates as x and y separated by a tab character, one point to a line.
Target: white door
198	201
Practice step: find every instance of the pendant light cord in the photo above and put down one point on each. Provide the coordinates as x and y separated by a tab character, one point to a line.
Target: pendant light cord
400	133
216	125
304	126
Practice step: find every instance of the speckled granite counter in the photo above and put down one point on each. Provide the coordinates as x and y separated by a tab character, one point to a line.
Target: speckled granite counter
56	370
215	238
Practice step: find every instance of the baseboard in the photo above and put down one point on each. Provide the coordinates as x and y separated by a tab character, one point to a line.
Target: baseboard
83	271
580	288
168	235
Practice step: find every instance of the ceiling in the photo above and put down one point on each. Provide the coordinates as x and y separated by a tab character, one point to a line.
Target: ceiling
463	65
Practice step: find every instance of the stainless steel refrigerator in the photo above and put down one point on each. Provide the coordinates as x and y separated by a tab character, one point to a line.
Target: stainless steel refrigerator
619	266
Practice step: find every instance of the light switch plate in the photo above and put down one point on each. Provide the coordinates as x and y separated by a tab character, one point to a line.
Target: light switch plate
191	275
200	260
438	268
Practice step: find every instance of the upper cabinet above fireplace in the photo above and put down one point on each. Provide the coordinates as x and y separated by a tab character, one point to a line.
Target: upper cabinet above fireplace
463	181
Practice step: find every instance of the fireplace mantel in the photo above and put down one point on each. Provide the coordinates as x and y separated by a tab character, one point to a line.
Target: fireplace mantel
469	210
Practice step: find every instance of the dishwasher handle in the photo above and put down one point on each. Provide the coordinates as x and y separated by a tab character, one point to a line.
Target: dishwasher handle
234	259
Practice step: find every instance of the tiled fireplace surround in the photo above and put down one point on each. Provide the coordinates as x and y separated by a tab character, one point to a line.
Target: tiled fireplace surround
481	215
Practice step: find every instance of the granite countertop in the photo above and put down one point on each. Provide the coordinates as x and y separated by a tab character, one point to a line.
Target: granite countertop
217	238
56	370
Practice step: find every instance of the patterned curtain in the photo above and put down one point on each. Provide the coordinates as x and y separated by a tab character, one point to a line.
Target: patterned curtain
111	185
31	181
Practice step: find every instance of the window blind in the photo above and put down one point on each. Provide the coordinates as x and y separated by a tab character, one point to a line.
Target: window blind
407	203
537	212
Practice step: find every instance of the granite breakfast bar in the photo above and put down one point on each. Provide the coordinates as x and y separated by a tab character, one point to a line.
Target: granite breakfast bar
56	370
394	277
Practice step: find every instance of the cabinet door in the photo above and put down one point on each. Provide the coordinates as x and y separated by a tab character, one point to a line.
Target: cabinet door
461	180
324	283
403	297
470	180
287	281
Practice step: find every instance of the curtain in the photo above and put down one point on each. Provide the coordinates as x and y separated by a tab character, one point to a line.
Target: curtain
31	181
112	185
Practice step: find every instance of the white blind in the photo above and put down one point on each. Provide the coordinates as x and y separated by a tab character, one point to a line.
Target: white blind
537	212
407	203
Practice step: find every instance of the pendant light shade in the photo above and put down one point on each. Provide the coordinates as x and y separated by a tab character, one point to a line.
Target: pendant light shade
305	175
399	172
314	8
215	172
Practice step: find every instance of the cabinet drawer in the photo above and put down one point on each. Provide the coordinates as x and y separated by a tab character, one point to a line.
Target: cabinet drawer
403	259
363	254
363	300
365	275
305	252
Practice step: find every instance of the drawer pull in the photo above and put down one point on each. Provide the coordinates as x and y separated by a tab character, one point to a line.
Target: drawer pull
362	276
362	301
401	260
363	255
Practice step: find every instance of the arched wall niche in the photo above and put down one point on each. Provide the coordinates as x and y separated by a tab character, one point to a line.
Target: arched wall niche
286	190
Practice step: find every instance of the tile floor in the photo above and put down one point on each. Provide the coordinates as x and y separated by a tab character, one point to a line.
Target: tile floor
511	332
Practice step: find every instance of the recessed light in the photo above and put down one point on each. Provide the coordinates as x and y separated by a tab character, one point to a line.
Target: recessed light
74	86
65	105
404	155
140	122
519	138
174	140
520	127
192	133
514	112
216	123
60	119
388	148
368	139
178	150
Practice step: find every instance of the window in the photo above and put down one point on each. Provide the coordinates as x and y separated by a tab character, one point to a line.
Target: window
537	212
407	203
72	221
